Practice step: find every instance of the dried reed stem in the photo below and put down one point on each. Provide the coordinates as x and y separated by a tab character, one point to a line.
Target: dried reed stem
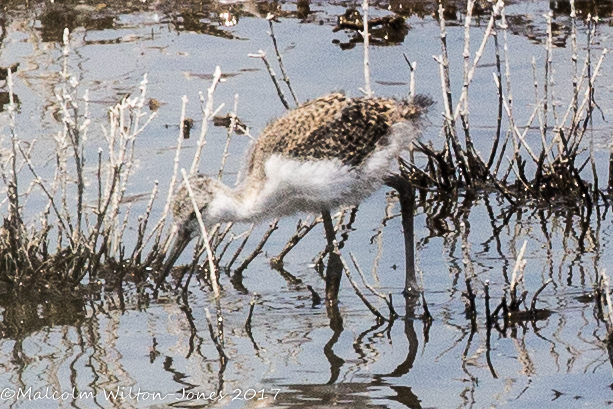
357	290
541	103
142	226
270	18
205	236
231	128
173	179
372	289
258	249
548	73
574	56
520	263
241	246
498	75
38	180
207	116
488	31
366	36
261	54
449	128
607	292
302	230
13	191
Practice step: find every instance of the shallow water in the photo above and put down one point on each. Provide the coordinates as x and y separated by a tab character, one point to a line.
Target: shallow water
299	355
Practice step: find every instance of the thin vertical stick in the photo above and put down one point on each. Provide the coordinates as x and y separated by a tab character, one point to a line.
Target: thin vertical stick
574	56
12	187
519	263
138	248
542	109
215	338
611	162
171	187
412	68
270	17
466	53
412	79
498	75
367	90
450	130
548	47
261	54
488	31
206	117
224	156
205	236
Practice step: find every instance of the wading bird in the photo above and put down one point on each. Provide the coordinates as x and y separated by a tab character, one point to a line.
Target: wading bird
329	152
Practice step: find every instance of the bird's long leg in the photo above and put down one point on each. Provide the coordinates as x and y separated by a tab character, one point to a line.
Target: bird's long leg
334	270
181	241
406	195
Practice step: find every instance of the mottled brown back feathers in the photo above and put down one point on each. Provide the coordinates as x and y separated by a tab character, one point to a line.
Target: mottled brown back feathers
335	126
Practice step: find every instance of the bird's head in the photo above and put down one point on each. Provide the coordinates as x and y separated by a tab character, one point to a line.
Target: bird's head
205	189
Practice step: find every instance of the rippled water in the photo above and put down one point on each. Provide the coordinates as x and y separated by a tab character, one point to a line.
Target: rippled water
298	355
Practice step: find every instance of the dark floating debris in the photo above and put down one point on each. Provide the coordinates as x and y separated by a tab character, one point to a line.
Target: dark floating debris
5	99
188	124
154	104
226	122
4	72
388	30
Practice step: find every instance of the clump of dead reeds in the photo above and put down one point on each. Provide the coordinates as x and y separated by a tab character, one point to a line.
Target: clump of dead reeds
548	174
78	235
79	231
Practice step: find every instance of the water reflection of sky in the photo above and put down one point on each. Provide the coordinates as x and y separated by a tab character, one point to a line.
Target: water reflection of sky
126	340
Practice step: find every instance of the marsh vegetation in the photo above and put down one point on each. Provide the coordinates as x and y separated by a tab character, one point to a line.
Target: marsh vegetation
510	184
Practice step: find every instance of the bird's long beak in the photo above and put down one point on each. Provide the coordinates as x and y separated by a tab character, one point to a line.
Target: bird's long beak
181	241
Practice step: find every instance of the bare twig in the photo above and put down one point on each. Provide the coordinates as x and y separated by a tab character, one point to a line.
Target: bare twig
359	293
366	36
205	236
171	187
207	116
270	18
302	230
241	246
537	293
412	68
258	249
231	129
519	266
372	289
261	54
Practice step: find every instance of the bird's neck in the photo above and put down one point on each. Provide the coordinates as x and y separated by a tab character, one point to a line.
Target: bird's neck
235	204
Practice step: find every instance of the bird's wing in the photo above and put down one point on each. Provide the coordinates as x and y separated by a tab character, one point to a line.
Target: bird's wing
330	127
